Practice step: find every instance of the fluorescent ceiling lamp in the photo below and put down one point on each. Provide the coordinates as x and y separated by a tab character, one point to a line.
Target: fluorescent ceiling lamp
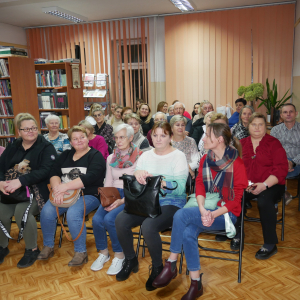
183	5
64	14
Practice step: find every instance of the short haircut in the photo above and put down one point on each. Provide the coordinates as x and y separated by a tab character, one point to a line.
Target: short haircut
165	126
126	108
179	103
98	108
218	116
24	117
132	116
170	107
129	130
241	100
287	104
51	117
76	128
160	113
211	113
160	105
204	103
246	106
86	124
257	115
177	118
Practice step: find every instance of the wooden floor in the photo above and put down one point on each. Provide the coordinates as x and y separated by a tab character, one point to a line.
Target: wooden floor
276	278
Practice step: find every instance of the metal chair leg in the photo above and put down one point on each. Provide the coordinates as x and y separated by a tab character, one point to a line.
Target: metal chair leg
181	260
61	231
283	218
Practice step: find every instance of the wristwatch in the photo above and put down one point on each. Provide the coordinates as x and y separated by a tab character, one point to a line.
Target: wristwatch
265	185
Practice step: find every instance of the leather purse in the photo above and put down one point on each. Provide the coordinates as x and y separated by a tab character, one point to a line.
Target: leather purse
18	196
108	195
143	200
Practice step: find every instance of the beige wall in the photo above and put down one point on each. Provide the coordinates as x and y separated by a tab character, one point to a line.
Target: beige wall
12	35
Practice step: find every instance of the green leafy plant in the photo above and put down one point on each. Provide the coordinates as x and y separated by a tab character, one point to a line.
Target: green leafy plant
251	92
272	95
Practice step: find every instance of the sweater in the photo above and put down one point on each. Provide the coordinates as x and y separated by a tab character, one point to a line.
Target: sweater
140	141
233	119
240	182
173	167
146	126
107	132
98	143
61	143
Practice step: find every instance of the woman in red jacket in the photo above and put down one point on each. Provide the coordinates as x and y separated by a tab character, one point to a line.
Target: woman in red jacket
222	172
267	166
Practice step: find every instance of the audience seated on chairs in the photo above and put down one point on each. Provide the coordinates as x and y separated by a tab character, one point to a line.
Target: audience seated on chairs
221	172
199	115
179	109
59	140
185	113
171	163
158	117
288	133
95	141
145	115
184	143
139	140
116	120
111	113
90	117
126	111
40	155
267	166
161	107
240	129
78	168
239	104
123	160
170	111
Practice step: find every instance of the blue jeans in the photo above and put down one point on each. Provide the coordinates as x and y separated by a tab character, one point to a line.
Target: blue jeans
74	219
105	220
187	225
294	173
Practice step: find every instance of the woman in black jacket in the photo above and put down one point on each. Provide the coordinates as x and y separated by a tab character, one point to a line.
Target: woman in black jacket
40	156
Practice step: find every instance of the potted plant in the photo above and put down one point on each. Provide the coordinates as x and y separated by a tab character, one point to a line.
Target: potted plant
271	102
251	92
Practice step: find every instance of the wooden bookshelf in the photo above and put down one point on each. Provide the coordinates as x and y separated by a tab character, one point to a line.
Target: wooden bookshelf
75	111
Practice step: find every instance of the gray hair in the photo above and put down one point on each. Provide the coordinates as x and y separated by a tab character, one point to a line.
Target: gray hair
129	129
207	115
160	113
177	118
51	118
171	106
246	106
98	108
132	116
179	103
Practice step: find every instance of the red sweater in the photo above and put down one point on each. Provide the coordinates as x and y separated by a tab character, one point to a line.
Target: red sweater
240	182
270	159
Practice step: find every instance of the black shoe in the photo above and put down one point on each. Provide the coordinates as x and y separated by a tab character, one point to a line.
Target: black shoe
155	271
235	244
129	265
263	253
3	253
29	258
221	238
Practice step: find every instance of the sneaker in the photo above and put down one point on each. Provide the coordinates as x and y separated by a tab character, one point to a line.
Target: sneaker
29	258
116	266
3	253
287	197
99	262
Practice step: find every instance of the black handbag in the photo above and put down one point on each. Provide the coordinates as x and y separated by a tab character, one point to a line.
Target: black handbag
18	196
143	200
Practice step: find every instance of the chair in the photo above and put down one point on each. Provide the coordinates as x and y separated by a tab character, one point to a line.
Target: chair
298	189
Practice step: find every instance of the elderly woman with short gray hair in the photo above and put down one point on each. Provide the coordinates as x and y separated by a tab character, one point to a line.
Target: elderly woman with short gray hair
59	140
184	143
158	117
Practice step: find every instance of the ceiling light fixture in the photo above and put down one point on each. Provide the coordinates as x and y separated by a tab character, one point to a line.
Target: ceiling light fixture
64	14
183	5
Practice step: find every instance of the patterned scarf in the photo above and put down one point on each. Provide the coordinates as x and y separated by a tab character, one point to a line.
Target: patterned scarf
224	169
127	160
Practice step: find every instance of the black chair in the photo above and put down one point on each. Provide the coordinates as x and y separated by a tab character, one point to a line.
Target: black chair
298	189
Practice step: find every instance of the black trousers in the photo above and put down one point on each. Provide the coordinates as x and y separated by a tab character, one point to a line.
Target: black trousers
150	228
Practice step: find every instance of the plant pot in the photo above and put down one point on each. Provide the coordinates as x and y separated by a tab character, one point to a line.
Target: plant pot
268	118
275	116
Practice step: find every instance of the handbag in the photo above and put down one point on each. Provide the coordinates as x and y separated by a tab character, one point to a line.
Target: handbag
210	202
143	200
69	200
108	195
18	196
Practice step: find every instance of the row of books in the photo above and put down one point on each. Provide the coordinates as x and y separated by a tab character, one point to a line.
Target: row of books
5	90
64	120
4	70
53	78
6	108
53	100
7	127
5	141
12	51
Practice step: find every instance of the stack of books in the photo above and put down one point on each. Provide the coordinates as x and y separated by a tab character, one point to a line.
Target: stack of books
12	51
6	108
4	71
7	127
53	100
5	88
51	78
40	61
72	60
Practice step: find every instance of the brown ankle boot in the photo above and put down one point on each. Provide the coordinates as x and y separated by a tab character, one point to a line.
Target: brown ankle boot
46	253
195	290
78	259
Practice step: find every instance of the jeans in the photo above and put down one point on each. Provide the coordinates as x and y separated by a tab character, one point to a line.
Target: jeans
294	173
105	220
74	219
187	225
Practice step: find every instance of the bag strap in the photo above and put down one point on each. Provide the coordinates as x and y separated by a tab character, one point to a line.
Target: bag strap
51	196
64	229
170	189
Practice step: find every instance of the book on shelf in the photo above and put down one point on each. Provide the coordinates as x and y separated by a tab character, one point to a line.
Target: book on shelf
63	124
4	70
7	127
6	108
41	61
62	60
5	90
53	100
5	141
51	78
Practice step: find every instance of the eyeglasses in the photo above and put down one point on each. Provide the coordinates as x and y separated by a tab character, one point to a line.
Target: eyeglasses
29	129
121	138
159	120
98	115
134	124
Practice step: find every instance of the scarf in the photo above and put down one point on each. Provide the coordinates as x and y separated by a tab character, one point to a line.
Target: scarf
224	169
127	160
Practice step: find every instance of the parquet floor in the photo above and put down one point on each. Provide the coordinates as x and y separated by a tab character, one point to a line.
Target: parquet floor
276	278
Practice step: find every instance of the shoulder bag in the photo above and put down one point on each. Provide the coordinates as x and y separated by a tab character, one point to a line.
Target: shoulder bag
108	195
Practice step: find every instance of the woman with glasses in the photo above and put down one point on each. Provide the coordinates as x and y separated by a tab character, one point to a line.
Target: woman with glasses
40	154
158	117
138	139
59	140
123	160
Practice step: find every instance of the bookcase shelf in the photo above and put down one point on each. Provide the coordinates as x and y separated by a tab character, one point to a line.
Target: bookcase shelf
7	77
55	109
51	87
7	136
2	97
6	117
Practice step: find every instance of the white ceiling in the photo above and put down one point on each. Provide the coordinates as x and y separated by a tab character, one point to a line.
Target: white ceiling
26	13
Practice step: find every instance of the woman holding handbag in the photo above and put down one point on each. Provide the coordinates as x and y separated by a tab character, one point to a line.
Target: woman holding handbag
81	167
172	164
123	160
221	172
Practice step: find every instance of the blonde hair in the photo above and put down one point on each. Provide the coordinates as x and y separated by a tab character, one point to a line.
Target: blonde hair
132	116
93	107
87	125
24	117
218	116
211	113
76	128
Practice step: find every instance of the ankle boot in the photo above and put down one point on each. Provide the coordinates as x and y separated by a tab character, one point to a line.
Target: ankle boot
155	271
129	265
168	273
195	290
46	253
78	259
